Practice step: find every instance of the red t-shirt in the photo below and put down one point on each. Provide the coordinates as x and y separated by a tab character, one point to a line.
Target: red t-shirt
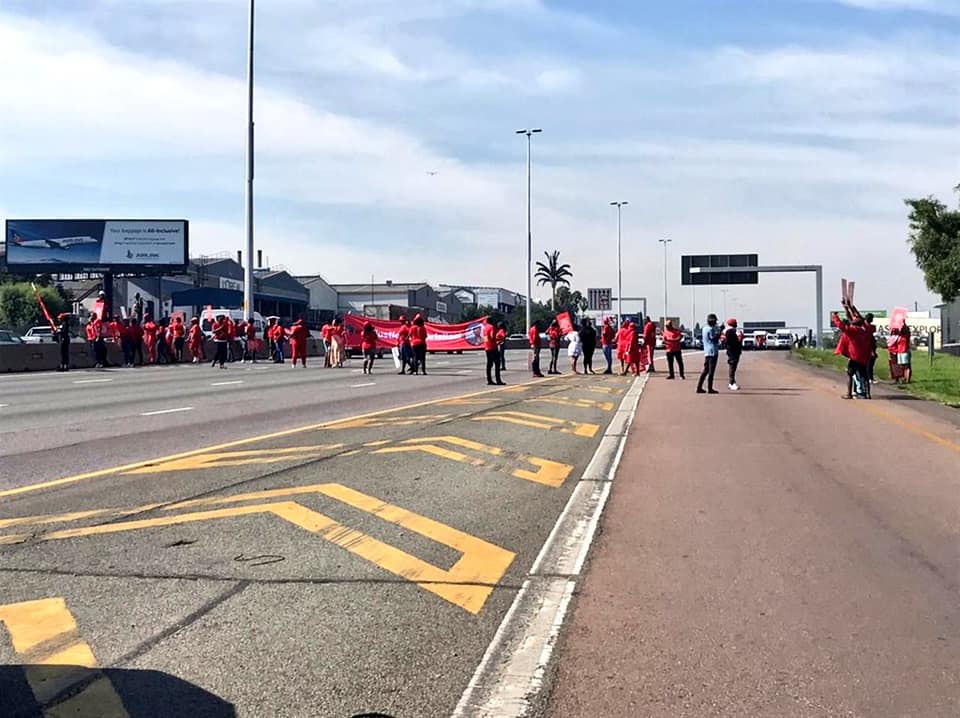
490	338
368	340
553	334
418	335
671	339
859	343
403	336
649	333
501	337
534	337
607	336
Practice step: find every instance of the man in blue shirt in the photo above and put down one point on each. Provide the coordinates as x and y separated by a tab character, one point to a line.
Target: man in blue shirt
711	350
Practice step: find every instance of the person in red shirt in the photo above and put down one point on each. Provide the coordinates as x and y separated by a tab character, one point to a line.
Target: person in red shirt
325	331
635	355
553	339
533	336
672	338
278	335
418	344
490	347
900	354
137	335
150	337
608	340
859	347
403	345
298	343
253	344
649	342
623	346
178	333
502	344
195	340
221	337
368	345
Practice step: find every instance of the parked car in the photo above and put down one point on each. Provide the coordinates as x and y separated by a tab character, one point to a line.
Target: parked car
783	339
38	335
9	337
748	342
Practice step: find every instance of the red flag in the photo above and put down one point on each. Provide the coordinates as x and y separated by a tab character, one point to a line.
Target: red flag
43	307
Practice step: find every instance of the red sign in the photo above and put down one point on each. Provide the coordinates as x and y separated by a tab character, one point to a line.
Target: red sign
566	325
440	337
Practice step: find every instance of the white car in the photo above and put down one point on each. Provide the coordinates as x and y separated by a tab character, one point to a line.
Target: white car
38	335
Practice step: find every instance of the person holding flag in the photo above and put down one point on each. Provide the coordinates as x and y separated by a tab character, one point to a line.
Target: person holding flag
63	339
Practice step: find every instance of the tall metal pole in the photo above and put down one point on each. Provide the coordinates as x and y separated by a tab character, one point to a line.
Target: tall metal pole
665	242
619	206
819	337
248	305
529	233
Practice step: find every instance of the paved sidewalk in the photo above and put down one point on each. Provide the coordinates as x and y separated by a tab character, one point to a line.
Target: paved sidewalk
778	552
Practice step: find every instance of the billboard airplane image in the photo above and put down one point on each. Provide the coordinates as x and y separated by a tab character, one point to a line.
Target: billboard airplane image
90	245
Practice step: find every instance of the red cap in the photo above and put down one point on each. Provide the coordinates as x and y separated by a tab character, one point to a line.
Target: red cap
732	322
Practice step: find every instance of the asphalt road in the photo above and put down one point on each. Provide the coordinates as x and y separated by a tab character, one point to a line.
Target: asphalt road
778	553
303	543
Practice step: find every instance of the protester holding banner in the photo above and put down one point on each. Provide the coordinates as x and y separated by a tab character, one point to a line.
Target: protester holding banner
418	345
490	347
553	337
368	345
859	348
63	339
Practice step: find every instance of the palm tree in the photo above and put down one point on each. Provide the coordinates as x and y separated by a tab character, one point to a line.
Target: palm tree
553	273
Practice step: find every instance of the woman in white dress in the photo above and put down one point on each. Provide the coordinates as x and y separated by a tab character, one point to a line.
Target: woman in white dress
574	349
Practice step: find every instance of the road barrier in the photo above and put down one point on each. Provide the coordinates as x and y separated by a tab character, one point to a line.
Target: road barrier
46	356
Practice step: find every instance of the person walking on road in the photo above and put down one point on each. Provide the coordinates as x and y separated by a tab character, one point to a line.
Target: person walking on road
179	331
418	345
623	346
220	339
194	342
734	350
403	343
588	338
490	347
533	335
608	340
901	352
635	352
298	343
502	344
553	338
711	351
368	345
649	342
672	338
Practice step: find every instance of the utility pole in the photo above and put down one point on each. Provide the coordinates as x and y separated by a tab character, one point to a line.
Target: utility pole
619	206
248	305
529	134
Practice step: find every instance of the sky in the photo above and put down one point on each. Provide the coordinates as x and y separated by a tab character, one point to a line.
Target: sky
386	145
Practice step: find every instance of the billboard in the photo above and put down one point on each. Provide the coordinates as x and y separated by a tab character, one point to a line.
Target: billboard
718	261
96	245
599	299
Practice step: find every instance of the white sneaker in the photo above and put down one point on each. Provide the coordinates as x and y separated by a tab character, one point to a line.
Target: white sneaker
733	387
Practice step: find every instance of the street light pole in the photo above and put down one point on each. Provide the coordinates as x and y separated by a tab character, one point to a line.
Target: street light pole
529	134
619	206
665	242
248	270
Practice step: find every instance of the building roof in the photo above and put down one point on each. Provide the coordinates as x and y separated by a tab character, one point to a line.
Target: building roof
377	288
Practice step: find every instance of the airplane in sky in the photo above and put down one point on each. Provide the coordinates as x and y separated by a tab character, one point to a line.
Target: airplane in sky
54	243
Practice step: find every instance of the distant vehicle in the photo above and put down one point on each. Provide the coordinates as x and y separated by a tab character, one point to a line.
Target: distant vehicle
659	342
760	340
783	339
517	337
38	335
749	342
54	243
8	337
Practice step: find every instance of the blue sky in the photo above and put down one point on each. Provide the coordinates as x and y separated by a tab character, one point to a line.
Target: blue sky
791	128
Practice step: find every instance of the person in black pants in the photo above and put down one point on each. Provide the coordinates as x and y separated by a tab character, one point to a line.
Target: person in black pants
588	340
63	339
711	350
490	346
734	350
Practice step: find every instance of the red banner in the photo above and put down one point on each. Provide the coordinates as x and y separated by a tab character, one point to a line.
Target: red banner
440	337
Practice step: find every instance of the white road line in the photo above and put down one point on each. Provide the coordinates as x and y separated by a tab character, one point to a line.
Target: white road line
3	405
356	371
511	673
92	381
357	386
465	371
167	411
226	383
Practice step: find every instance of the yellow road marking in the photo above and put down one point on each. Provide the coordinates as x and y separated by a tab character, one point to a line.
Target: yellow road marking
572	401
45	636
541	422
228	445
387	421
236	458
468	583
466	402
598	389
549	473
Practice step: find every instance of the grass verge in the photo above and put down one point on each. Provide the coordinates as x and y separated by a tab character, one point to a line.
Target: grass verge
939	381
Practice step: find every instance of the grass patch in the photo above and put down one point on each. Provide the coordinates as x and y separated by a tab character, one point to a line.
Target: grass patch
937	382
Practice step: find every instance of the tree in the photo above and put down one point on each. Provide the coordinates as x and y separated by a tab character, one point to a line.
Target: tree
553	273
573	302
19	308
935	242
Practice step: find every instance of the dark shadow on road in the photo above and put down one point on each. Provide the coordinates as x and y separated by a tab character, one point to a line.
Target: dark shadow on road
145	694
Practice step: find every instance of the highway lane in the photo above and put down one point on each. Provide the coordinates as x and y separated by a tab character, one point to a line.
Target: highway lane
84	420
309	571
